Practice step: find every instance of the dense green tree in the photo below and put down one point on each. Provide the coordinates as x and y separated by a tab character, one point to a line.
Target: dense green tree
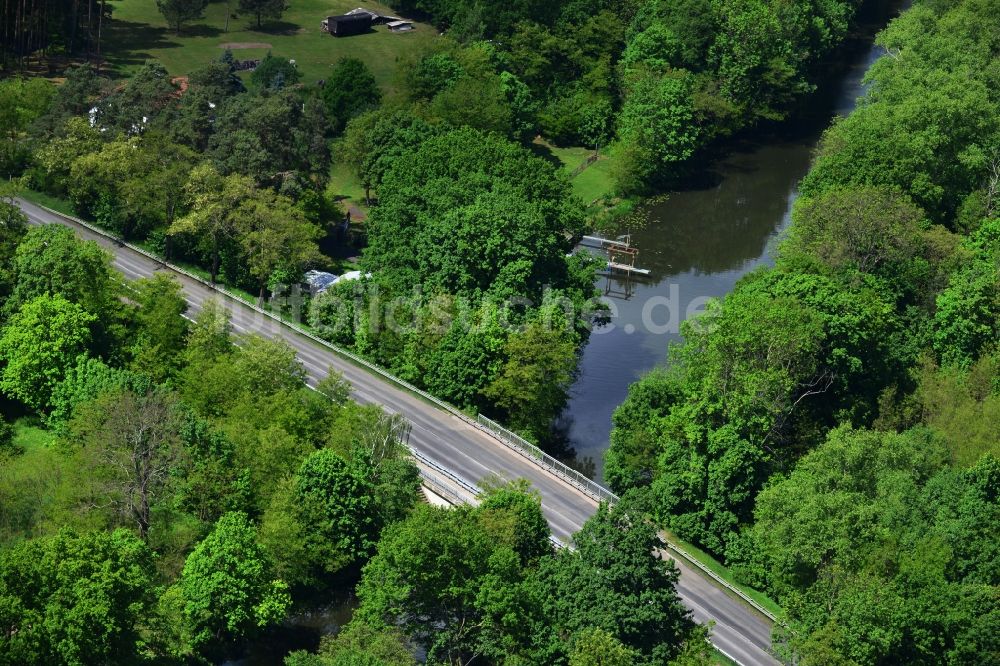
613	579
162	328
133	106
358	644
925	129
267	134
336	505
39	345
261	9
481	103
179	12
227	588
212	483
432	74
87	380
596	647
968	312
657	118
276	240
22	101
962	406
209	335
534	382
214	201
374	140
13	227
275	72
880	553
756	58
578	116
469	214
54	159
783	357
630	461
867	229
348	91
51	260
463	603
75	599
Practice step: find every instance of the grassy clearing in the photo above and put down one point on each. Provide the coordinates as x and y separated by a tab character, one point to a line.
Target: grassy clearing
139	33
725	574
594	182
591	184
29	436
344	186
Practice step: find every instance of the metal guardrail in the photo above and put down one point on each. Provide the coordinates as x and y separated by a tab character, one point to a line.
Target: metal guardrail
465	485
719	580
519	444
506	437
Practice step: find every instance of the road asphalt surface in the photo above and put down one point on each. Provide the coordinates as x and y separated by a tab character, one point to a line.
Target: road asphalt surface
740	632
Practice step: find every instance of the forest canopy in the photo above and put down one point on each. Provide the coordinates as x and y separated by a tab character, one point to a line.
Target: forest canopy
827	427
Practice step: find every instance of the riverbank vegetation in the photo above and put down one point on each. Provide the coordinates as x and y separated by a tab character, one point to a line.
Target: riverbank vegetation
829	427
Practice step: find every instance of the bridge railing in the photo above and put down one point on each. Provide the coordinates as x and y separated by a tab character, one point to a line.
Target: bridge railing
519	444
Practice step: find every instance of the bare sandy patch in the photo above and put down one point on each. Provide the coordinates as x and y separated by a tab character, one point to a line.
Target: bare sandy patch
233	46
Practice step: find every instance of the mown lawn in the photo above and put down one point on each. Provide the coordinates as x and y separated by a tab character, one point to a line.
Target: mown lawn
591	184
139	33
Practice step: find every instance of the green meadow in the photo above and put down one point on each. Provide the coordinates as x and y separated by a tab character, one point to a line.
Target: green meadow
139	33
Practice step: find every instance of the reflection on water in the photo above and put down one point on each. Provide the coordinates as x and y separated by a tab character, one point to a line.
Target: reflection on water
301	631
698	243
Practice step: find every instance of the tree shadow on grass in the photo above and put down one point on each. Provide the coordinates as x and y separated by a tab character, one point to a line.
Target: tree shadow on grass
276	28
200	30
545	152
128	43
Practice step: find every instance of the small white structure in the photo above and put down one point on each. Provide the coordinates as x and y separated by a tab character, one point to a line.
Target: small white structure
352	275
361	10
400	26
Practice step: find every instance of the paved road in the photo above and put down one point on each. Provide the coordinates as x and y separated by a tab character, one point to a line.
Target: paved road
454	444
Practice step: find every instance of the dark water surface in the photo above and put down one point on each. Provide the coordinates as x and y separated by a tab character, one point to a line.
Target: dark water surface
701	240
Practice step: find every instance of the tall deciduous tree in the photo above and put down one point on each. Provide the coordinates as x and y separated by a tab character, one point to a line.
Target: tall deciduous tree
450	581
227	587
276	239
535	380
615	580
13	227
162	328
39	345
51	260
468	214
214	200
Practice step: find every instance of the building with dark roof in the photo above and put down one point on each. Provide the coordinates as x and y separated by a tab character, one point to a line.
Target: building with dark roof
348	24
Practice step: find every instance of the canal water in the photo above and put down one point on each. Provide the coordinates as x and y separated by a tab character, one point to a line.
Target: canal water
700	241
